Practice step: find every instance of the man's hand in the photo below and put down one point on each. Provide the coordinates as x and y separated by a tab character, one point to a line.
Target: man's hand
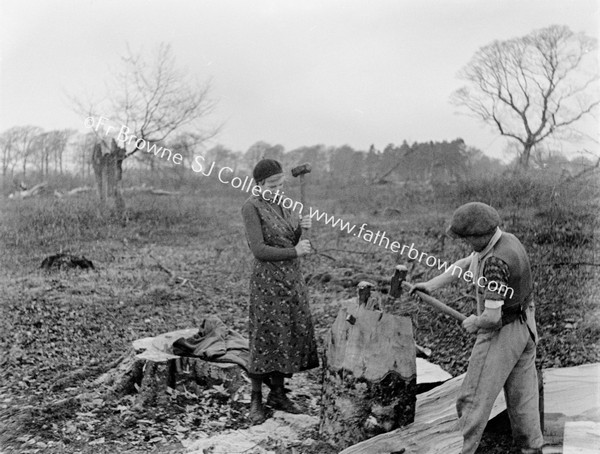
422	287
470	324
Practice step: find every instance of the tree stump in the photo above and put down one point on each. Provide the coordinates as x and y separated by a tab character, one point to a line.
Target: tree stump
150	368
107	162
369	374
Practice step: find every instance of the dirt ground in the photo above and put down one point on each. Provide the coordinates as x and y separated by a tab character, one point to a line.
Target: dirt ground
177	260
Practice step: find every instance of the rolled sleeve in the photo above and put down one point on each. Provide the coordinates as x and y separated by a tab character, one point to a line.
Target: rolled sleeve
495	270
493	304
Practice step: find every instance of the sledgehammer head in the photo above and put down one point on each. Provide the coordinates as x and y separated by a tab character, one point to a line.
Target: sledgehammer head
397	279
301	169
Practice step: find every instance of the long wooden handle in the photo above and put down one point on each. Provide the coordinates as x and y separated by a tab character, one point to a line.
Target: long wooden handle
435	303
305	233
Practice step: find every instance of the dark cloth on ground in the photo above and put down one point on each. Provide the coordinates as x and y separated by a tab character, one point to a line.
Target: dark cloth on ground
215	342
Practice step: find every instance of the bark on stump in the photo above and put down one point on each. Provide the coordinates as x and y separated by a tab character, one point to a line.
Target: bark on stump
152	369
369	375
107	162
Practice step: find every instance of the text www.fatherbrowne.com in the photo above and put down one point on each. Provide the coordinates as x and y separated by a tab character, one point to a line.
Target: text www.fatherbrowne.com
225	175
381	239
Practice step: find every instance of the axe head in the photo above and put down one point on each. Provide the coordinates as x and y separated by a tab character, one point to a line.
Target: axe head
397	279
301	169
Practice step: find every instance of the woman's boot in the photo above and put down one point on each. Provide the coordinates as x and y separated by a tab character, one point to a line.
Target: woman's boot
257	413
277	400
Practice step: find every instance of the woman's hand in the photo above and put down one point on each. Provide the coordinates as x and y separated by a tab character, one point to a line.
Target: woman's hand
305	222
303	248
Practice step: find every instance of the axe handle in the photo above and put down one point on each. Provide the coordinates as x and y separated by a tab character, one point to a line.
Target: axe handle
305	234
441	307
302	190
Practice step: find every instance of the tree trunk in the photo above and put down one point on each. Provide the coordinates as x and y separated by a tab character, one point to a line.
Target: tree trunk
369	372
108	172
526	155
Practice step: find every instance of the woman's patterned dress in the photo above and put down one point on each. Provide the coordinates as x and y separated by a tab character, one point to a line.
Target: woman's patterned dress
281	329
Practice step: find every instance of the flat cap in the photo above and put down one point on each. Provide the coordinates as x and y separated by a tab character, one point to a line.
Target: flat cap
473	219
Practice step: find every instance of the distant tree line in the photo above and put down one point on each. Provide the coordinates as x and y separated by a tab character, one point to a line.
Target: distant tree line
426	162
30	153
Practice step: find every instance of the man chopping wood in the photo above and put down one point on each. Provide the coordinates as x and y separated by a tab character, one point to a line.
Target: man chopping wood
504	353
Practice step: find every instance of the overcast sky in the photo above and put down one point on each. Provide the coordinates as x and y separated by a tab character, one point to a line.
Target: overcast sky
300	72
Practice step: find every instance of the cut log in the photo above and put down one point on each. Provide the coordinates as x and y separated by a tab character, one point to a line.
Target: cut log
570	394
434	430
582	437
151	368
369	372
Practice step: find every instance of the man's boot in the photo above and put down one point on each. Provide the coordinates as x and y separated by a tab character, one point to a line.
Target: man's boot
257	410
277	400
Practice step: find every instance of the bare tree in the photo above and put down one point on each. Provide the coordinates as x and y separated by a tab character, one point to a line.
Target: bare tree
60	139
41	147
148	100
83	144
262	150
22	140
532	87
9	154
50	146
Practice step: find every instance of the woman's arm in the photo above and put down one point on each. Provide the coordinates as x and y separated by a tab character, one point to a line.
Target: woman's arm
256	240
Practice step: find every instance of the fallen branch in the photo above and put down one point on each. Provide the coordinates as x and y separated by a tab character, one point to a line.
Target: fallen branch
163	192
29	192
72	192
327	256
162	267
148	190
172	274
349	252
86	372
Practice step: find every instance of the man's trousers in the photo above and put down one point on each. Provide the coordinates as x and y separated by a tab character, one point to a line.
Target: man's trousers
503	358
